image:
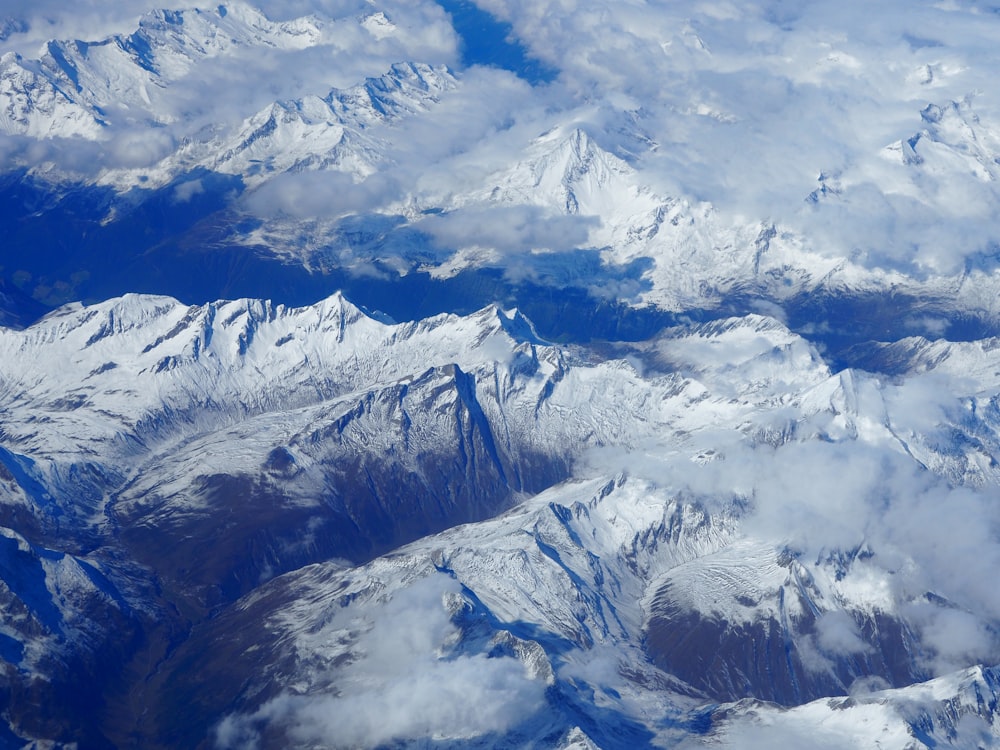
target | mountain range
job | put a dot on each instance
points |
(357, 393)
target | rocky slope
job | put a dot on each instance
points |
(216, 468)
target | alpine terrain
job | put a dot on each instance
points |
(499, 374)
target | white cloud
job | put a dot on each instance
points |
(87, 20)
(751, 103)
(918, 537)
(184, 192)
(956, 639)
(405, 683)
(837, 633)
(510, 229)
(306, 195)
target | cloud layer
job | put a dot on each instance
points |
(877, 483)
(403, 684)
(752, 103)
(875, 132)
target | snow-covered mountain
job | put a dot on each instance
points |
(352, 179)
(657, 407)
(76, 88)
(333, 132)
(328, 133)
(615, 541)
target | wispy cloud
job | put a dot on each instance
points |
(751, 104)
(404, 683)
(872, 131)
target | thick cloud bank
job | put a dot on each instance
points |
(872, 127)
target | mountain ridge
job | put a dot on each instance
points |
(498, 440)
(678, 426)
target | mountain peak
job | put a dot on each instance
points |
(566, 170)
(331, 133)
(72, 87)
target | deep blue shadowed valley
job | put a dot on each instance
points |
(487, 373)
(488, 41)
(60, 246)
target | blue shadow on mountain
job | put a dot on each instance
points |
(21, 469)
(488, 41)
(25, 578)
(848, 329)
(86, 243)
(11, 651)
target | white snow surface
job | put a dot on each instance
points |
(701, 152)
(682, 196)
(946, 712)
(722, 463)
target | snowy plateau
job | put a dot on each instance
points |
(499, 374)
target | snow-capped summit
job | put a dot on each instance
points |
(76, 88)
(333, 132)
(566, 171)
(680, 427)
